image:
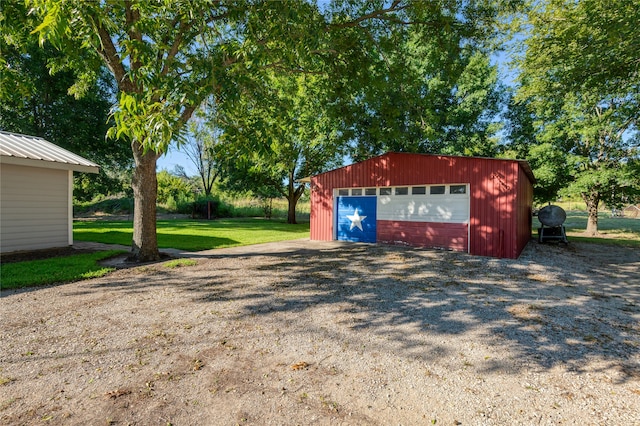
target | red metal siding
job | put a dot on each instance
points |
(500, 194)
(422, 234)
(492, 208)
(524, 205)
(322, 208)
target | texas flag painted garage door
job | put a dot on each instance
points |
(356, 219)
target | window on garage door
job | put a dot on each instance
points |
(437, 190)
(458, 189)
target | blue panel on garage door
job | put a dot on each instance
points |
(356, 219)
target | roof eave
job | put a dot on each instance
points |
(527, 170)
(6, 159)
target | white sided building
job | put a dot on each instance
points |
(36, 192)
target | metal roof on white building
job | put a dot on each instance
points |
(37, 152)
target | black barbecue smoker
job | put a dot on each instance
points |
(551, 218)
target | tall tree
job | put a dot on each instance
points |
(165, 56)
(200, 145)
(286, 134)
(580, 75)
(432, 92)
(549, 162)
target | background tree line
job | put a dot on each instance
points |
(261, 95)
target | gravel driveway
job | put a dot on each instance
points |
(330, 333)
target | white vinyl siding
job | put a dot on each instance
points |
(34, 208)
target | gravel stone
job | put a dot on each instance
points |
(307, 332)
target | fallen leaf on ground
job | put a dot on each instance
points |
(300, 365)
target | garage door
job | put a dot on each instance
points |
(425, 216)
(356, 219)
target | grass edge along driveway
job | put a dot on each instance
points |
(76, 267)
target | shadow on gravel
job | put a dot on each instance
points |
(546, 313)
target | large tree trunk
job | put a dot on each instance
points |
(293, 195)
(592, 201)
(291, 214)
(145, 193)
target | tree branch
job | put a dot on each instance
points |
(167, 37)
(183, 28)
(376, 14)
(624, 126)
(186, 115)
(107, 50)
(175, 47)
(132, 16)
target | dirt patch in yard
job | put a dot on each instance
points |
(331, 333)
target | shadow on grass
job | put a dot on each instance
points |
(429, 304)
(256, 224)
(576, 222)
(165, 240)
(193, 235)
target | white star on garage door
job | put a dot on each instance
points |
(356, 220)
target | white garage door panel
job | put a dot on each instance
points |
(424, 208)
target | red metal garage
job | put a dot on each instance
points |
(478, 205)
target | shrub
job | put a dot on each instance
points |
(211, 207)
(111, 205)
(170, 186)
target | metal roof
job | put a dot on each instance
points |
(523, 163)
(37, 152)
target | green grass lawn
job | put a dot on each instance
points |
(194, 235)
(613, 230)
(55, 270)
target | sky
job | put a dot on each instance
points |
(174, 157)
